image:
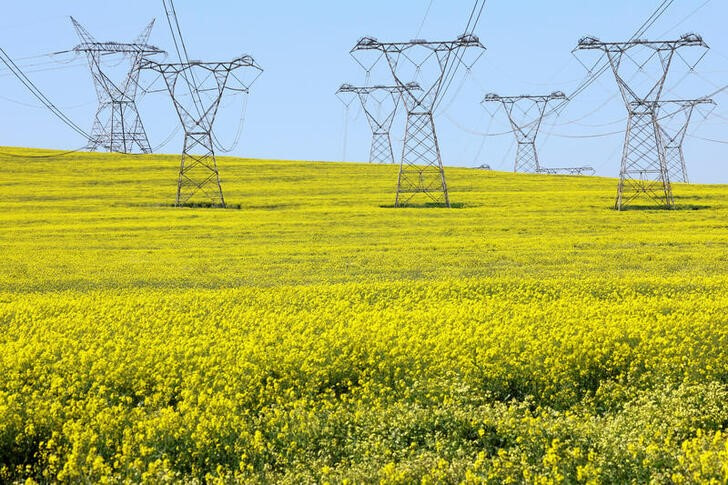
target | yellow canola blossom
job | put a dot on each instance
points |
(316, 335)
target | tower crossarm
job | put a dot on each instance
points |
(371, 43)
(527, 128)
(179, 67)
(89, 45)
(686, 40)
(557, 95)
(664, 49)
(380, 119)
(117, 48)
(366, 90)
(685, 103)
(221, 71)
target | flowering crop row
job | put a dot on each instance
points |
(314, 336)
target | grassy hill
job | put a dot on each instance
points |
(317, 334)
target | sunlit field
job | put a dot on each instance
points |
(313, 333)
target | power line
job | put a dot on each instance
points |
(49, 61)
(56, 155)
(592, 76)
(18, 73)
(182, 54)
(473, 19)
(598, 135)
(173, 32)
(656, 14)
(718, 91)
(477, 19)
(8, 73)
(179, 30)
(712, 140)
(424, 19)
(238, 134)
(36, 106)
(454, 65)
(691, 14)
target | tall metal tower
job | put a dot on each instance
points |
(431, 65)
(644, 168)
(117, 126)
(673, 127)
(380, 104)
(526, 114)
(196, 89)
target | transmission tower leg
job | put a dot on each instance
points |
(381, 149)
(526, 158)
(421, 170)
(644, 169)
(198, 172)
(676, 167)
(113, 130)
(99, 130)
(683, 166)
(118, 136)
(128, 132)
(136, 135)
(118, 128)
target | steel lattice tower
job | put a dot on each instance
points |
(525, 124)
(673, 132)
(380, 119)
(567, 171)
(196, 89)
(430, 65)
(644, 168)
(117, 126)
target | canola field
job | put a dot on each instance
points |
(317, 335)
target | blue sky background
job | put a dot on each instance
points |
(292, 111)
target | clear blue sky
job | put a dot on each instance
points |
(303, 46)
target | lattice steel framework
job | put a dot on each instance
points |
(117, 126)
(431, 65)
(525, 113)
(380, 117)
(567, 171)
(644, 170)
(203, 85)
(674, 127)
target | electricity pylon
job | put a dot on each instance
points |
(117, 126)
(526, 114)
(567, 171)
(432, 66)
(196, 89)
(674, 127)
(644, 168)
(380, 105)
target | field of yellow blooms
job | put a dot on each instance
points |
(315, 334)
